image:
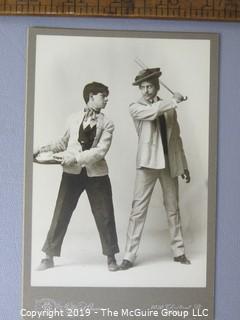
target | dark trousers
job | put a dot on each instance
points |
(99, 193)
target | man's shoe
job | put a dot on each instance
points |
(112, 264)
(182, 259)
(126, 264)
(45, 264)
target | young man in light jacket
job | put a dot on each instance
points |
(160, 156)
(81, 152)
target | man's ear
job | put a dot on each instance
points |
(90, 95)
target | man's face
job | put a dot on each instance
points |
(148, 90)
(98, 101)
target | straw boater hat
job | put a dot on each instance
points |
(147, 74)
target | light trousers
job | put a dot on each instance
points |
(144, 184)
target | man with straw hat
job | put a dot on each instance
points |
(160, 156)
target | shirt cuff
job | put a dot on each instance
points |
(174, 102)
(78, 157)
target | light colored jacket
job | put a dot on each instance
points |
(94, 158)
(150, 150)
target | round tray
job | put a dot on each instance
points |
(46, 161)
(46, 158)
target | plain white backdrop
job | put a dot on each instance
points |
(64, 64)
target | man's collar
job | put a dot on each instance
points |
(89, 107)
(143, 101)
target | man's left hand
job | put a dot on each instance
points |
(67, 158)
(186, 175)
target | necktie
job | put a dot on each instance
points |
(90, 117)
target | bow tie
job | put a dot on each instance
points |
(90, 117)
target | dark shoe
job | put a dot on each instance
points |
(112, 264)
(126, 264)
(182, 259)
(45, 264)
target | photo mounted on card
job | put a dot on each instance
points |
(120, 174)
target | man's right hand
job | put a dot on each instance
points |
(178, 97)
(36, 152)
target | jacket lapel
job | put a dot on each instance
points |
(98, 129)
(169, 117)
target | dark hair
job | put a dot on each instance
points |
(94, 88)
(153, 81)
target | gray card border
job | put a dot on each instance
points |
(118, 298)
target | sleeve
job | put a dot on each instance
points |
(97, 153)
(145, 112)
(60, 144)
(180, 143)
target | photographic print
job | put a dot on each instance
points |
(120, 172)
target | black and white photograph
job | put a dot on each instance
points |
(119, 158)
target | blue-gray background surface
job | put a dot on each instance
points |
(13, 36)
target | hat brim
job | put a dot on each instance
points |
(156, 74)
